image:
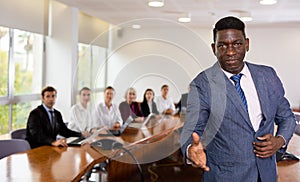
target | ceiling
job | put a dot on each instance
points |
(204, 13)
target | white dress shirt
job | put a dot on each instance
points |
(150, 106)
(164, 104)
(81, 118)
(107, 116)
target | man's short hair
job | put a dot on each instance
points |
(163, 86)
(48, 89)
(109, 88)
(229, 22)
(84, 88)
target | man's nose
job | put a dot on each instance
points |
(230, 50)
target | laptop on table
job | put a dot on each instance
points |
(118, 132)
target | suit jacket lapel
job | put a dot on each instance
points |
(235, 99)
(231, 93)
(47, 119)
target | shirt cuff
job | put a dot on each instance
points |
(187, 155)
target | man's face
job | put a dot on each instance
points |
(49, 99)
(164, 91)
(230, 49)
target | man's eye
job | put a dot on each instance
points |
(222, 46)
(238, 44)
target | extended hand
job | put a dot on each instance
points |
(139, 119)
(197, 154)
(268, 145)
(168, 111)
(116, 125)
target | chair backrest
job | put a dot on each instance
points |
(297, 116)
(18, 134)
(8, 147)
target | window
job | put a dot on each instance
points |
(92, 69)
(21, 112)
(21, 66)
(4, 121)
(27, 55)
(84, 66)
(4, 54)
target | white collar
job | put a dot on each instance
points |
(245, 71)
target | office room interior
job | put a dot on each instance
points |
(75, 48)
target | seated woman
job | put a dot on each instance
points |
(148, 105)
(130, 107)
(107, 114)
(81, 113)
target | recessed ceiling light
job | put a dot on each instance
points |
(185, 18)
(267, 2)
(156, 3)
(246, 18)
(136, 26)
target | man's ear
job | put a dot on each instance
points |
(213, 48)
(247, 44)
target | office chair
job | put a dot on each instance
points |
(12, 146)
(297, 116)
(18, 134)
(287, 155)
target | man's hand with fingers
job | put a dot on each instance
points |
(196, 153)
(268, 145)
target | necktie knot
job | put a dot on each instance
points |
(236, 78)
(52, 114)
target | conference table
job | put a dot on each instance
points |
(49, 163)
(71, 163)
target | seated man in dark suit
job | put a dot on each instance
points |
(45, 122)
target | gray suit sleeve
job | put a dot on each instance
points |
(284, 117)
(197, 113)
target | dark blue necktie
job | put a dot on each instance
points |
(236, 79)
(52, 118)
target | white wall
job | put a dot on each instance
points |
(161, 52)
(278, 47)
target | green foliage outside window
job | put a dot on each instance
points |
(4, 119)
(23, 83)
(4, 73)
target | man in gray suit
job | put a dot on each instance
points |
(231, 112)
